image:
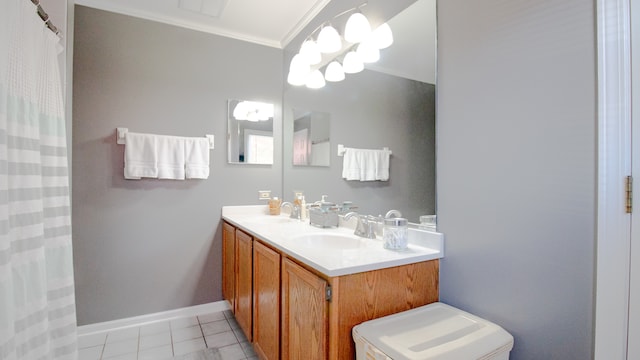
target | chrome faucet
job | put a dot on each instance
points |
(294, 210)
(366, 226)
(394, 213)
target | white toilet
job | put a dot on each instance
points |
(432, 332)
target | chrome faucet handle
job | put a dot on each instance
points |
(394, 213)
(349, 215)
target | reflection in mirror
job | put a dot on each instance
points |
(250, 132)
(311, 145)
(389, 104)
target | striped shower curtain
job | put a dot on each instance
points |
(37, 300)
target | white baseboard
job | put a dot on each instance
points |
(153, 318)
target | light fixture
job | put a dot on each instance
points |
(368, 52)
(352, 63)
(329, 40)
(357, 28)
(363, 45)
(382, 36)
(315, 80)
(310, 51)
(334, 72)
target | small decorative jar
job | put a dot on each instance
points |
(274, 206)
(395, 233)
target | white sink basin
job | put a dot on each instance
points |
(330, 241)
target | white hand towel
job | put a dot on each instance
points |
(350, 165)
(366, 165)
(382, 165)
(140, 156)
(197, 158)
(171, 158)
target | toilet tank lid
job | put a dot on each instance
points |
(435, 331)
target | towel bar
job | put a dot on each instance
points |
(342, 149)
(120, 137)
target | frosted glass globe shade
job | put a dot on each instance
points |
(382, 36)
(297, 79)
(368, 52)
(352, 63)
(334, 72)
(357, 28)
(311, 52)
(329, 40)
(315, 80)
(299, 65)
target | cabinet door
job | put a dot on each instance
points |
(244, 271)
(228, 264)
(266, 301)
(304, 314)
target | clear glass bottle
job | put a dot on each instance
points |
(395, 233)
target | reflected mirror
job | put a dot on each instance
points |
(250, 132)
(311, 145)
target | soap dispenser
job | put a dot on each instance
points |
(303, 209)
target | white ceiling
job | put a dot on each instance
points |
(273, 23)
(276, 23)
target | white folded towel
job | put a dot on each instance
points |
(366, 165)
(140, 156)
(171, 157)
(197, 158)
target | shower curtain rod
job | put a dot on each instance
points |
(45, 17)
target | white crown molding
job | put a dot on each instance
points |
(147, 15)
(306, 19)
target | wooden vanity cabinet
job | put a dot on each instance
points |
(229, 264)
(318, 312)
(305, 313)
(244, 282)
(373, 294)
(289, 310)
(266, 301)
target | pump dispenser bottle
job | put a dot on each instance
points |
(303, 209)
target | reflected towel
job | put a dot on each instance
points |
(170, 157)
(197, 158)
(140, 156)
(366, 165)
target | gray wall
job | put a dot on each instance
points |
(517, 168)
(153, 245)
(370, 110)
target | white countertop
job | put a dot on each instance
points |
(283, 233)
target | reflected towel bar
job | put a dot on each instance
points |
(342, 149)
(121, 132)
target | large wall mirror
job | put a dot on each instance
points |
(389, 104)
(250, 132)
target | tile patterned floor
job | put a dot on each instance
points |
(164, 340)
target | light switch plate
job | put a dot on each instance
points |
(264, 194)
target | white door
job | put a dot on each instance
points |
(633, 341)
